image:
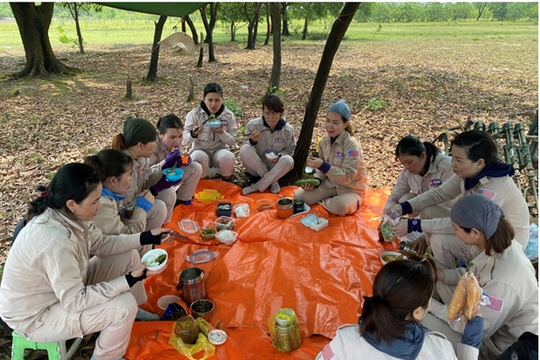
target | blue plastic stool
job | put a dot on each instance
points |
(55, 350)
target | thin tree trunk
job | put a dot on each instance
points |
(339, 28)
(233, 32)
(252, 24)
(201, 53)
(154, 58)
(209, 37)
(304, 32)
(276, 42)
(34, 22)
(268, 24)
(285, 19)
(184, 25)
(74, 10)
(193, 30)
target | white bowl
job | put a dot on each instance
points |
(223, 238)
(271, 155)
(155, 253)
(391, 253)
(165, 300)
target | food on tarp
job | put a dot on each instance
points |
(155, 260)
(390, 257)
(474, 294)
(459, 299)
(224, 207)
(208, 233)
(312, 182)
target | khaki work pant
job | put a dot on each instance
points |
(223, 159)
(113, 318)
(268, 171)
(343, 204)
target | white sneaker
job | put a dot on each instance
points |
(249, 189)
(275, 188)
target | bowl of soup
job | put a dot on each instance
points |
(388, 256)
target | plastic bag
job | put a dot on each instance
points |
(465, 301)
(188, 350)
(284, 330)
(531, 251)
(389, 220)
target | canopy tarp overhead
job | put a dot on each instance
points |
(179, 9)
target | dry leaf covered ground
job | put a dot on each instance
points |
(428, 85)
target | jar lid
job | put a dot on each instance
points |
(217, 337)
(201, 256)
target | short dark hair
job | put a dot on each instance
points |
(73, 181)
(478, 144)
(109, 162)
(274, 103)
(213, 88)
(170, 121)
(399, 288)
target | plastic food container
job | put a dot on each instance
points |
(173, 174)
(188, 226)
(208, 195)
(208, 233)
(201, 256)
(241, 210)
(165, 300)
(227, 236)
(217, 337)
(264, 204)
(224, 209)
(152, 257)
(224, 223)
(271, 155)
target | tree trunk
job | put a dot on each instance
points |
(276, 42)
(481, 9)
(34, 22)
(233, 33)
(304, 32)
(193, 30)
(209, 37)
(201, 53)
(152, 71)
(252, 24)
(268, 24)
(249, 45)
(184, 26)
(74, 9)
(339, 28)
(285, 18)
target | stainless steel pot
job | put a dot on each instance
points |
(191, 283)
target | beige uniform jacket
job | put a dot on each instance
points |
(208, 140)
(349, 345)
(109, 219)
(281, 141)
(439, 171)
(501, 190)
(509, 284)
(142, 176)
(348, 171)
(48, 264)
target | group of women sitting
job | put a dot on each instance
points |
(75, 267)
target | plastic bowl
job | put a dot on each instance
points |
(264, 204)
(388, 256)
(214, 124)
(155, 253)
(226, 236)
(165, 300)
(271, 155)
(177, 175)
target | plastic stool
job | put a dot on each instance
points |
(55, 350)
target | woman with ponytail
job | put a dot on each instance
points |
(424, 168)
(64, 279)
(211, 147)
(389, 327)
(506, 276)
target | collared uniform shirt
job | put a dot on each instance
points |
(281, 140)
(208, 140)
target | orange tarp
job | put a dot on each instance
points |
(274, 264)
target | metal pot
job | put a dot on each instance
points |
(191, 282)
(285, 207)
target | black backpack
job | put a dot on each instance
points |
(526, 348)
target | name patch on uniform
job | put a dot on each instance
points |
(493, 303)
(338, 155)
(435, 182)
(352, 153)
(490, 194)
(224, 122)
(279, 140)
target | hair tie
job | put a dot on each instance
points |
(377, 299)
(44, 193)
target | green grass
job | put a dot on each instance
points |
(142, 31)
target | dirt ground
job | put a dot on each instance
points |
(427, 86)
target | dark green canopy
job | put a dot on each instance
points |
(179, 9)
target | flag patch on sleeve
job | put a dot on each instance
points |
(327, 353)
(490, 194)
(352, 153)
(492, 302)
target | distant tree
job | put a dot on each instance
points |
(380, 12)
(308, 12)
(480, 7)
(252, 12)
(436, 11)
(339, 28)
(75, 9)
(462, 11)
(285, 18)
(499, 10)
(34, 22)
(276, 42)
(192, 29)
(209, 25)
(268, 23)
(154, 56)
(232, 13)
(531, 13)
(518, 10)
(362, 14)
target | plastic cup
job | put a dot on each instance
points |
(173, 312)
